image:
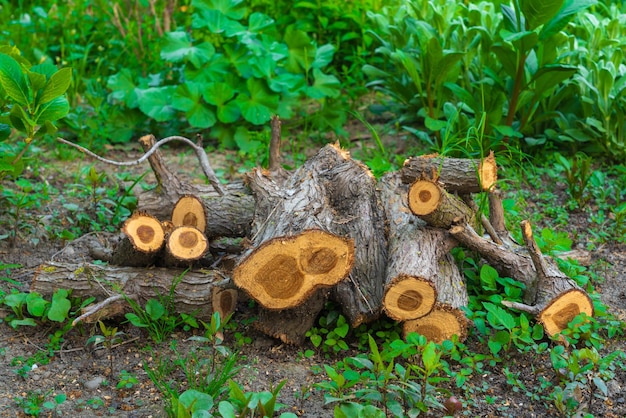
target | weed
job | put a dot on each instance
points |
(331, 333)
(126, 380)
(34, 403)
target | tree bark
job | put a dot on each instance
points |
(142, 241)
(431, 202)
(459, 175)
(194, 294)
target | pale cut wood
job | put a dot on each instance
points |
(143, 237)
(432, 203)
(186, 243)
(189, 211)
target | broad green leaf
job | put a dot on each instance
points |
(156, 102)
(325, 85)
(135, 320)
(488, 278)
(498, 316)
(259, 21)
(187, 98)
(435, 125)
(301, 51)
(155, 309)
(52, 110)
(60, 307)
(37, 80)
(510, 19)
(506, 130)
(56, 86)
(430, 357)
(463, 95)
(194, 400)
(123, 87)
(234, 9)
(177, 47)
(342, 330)
(494, 346)
(23, 322)
(5, 131)
(13, 80)
(217, 23)
(36, 304)
(538, 12)
(245, 144)
(323, 56)
(217, 93)
(258, 104)
(550, 76)
(564, 15)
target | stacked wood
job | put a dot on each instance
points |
(330, 230)
(424, 287)
(144, 237)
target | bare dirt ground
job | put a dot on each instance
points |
(84, 374)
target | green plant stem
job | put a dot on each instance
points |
(517, 89)
(21, 154)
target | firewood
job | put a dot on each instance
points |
(446, 319)
(413, 253)
(194, 294)
(431, 202)
(185, 244)
(460, 175)
(143, 239)
(189, 211)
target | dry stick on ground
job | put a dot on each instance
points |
(194, 294)
(460, 175)
(143, 239)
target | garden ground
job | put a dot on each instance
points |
(511, 388)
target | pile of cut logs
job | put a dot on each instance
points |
(326, 231)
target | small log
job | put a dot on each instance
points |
(185, 244)
(143, 239)
(413, 251)
(461, 175)
(189, 211)
(194, 294)
(446, 319)
(428, 200)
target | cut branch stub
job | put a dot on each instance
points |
(144, 232)
(186, 243)
(189, 211)
(284, 271)
(409, 297)
(438, 208)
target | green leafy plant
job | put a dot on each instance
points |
(34, 98)
(242, 404)
(126, 380)
(35, 403)
(577, 176)
(25, 195)
(109, 337)
(331, 333)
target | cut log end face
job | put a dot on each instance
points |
(488, 172)
(424, 197)
(409, 298)
(144, 232)
(189, 211)
(284, 271)
(439, 325)
(187, 243)
(556, 316)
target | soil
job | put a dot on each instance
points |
(84, 374)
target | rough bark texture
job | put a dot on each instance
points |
(446, 319)
(414, 251)
(192, 295)
(459, 175)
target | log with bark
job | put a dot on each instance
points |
(323, 218)
(143, 239)
(460, 175)
(198, 293)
